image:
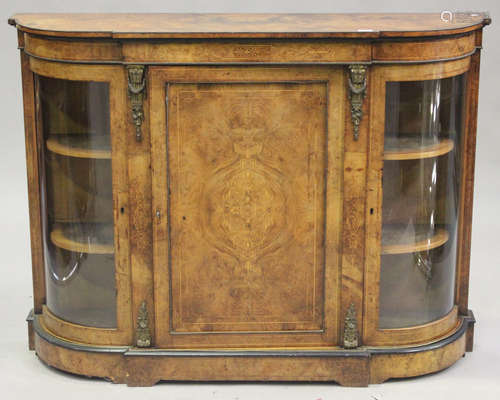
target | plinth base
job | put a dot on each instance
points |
(145, 367)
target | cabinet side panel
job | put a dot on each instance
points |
(467, 186)
(32, 166)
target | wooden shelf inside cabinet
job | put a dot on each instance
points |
(409, 149)
(395, 239)
(80, 146)
(93, 238)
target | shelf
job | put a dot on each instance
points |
(80, 146)
(396, 239)
(412, 149)
(84, 237)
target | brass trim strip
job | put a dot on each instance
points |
(48, 337)
(466, 321)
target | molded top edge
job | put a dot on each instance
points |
(172, 25)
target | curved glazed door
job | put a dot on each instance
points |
(414, 239)
(82, 185)
(247, 198)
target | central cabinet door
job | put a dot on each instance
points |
(247, 205)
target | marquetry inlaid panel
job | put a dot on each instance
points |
(246, 180)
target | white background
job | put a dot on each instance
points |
(23, 376)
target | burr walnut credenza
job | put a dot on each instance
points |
(250, 196)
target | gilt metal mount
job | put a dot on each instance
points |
(137, 93)
(351, 335)
(143, 334)
(357, 92)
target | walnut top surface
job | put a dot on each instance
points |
(187, 26)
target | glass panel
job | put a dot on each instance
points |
(423, 131)
(78, 220)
